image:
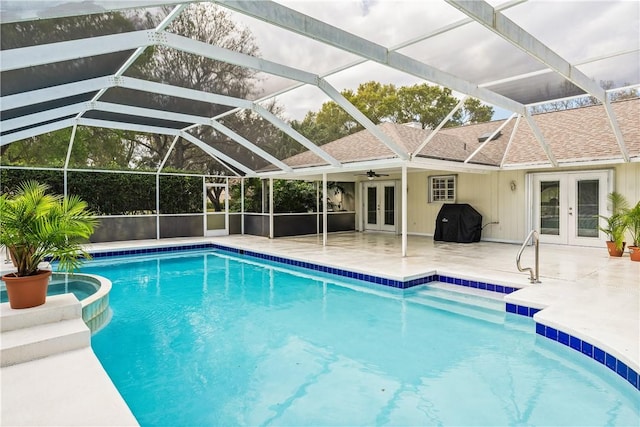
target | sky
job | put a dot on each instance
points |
(582, 32)
(577, 30)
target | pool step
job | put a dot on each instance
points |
(33, 333)
(465, 304)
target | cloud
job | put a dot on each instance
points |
(577, 30)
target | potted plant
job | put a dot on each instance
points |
(632, 217)
(616, 224)
(34, 227)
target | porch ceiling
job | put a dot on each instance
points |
(527, 49)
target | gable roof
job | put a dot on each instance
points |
(581, 134)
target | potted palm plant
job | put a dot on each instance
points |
(34, 227)
(632, 217)
(616, 224)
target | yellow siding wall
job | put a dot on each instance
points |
(628, 181)
(492, 196)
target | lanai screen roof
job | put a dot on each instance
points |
(511, 55)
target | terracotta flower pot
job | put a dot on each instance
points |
(27, 291)
(613, 251)
(635, 253)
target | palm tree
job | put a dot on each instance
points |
(35, 225)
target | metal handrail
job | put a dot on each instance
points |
(535, 278)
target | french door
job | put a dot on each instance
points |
(567, 206)
(380, 206)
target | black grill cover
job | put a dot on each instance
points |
(458, 223)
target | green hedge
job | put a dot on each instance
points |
(10, 179)
(117, 193)
(181, 194)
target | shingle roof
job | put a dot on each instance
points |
(579, 134)
(573, 135)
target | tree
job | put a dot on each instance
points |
(212, 25)
(567, 90)
(421, 103)
(289, 196)
(475, 112)
(376, 101)
(425, 104)
(29, 33)
(92, 147)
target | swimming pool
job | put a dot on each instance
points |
(206, 338)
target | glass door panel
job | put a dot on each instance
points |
(549, 208)
(389, 205)
(372, 205)
(588, 207)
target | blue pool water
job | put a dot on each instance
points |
(205, 338)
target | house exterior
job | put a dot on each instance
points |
(500, 168)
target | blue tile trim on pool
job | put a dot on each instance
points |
(371, 278)
(577, 344)
(143, 251)
(591, 351)
(317, 267)
(521, 310)
(477, 285)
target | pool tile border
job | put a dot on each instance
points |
(399, 284)
(579, 345)
(570, 341)
(592, 351)
(143, 251)
(521, 310)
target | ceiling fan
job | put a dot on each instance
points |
(370, 174)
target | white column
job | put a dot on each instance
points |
(324, 209)
(403, 190)
(158, 205)
(204, 205)
(66, 161)
(317, 208)
(226, 205)
(271, 208)
(242, 205)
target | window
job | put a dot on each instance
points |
(442, 188)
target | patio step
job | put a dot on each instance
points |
(464, 304)
(56, 309)
(53, 328)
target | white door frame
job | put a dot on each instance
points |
(221, 231)
(380, 208)
(567, 205)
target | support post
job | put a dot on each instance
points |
(242, 205)
(66, 160)
(158, 205)
(317, 208)
(324, 209)
(271, 208)
(403, 190)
